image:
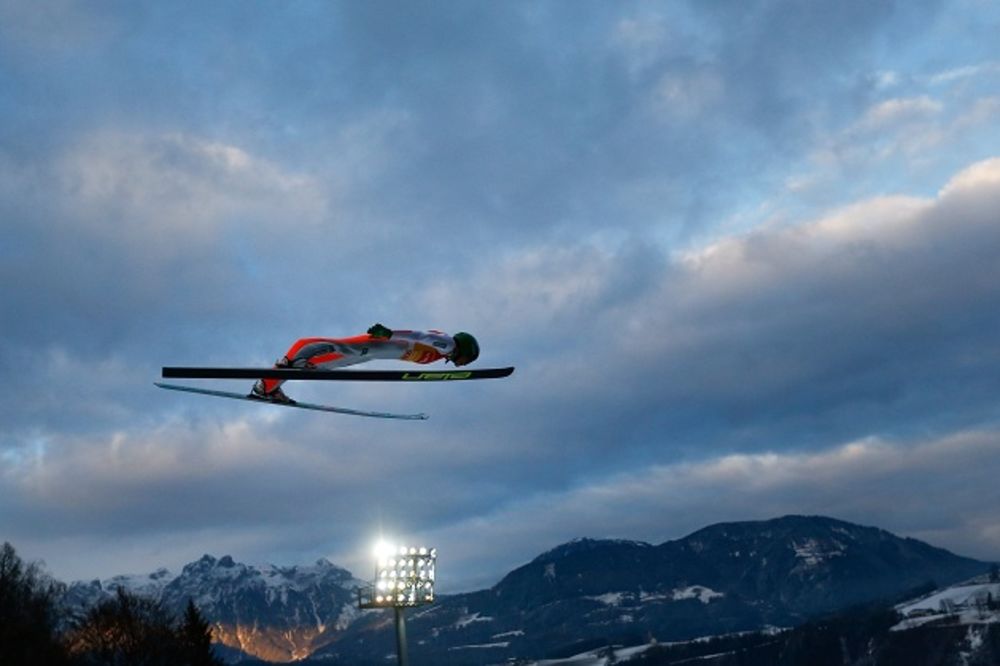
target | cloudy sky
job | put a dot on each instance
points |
(743, 255)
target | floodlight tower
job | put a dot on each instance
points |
(404, 578)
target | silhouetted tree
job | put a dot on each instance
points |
(27, 613)
(195, 636)
(125, 631)
(129, 630)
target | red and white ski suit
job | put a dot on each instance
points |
(327, 353)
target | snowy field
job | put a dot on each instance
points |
(968, 604)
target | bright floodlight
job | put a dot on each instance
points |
(404, 576)
(383, 549)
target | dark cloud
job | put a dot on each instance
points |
(789, 340)
(619, 199)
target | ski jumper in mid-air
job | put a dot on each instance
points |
(379, 343)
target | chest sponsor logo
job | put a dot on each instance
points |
(422, 354)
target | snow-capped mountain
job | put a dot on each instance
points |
(80, 595)
(578, 597)
(275, 613)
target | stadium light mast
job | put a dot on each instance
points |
(404, 578)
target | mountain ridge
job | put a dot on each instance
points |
(723, 578)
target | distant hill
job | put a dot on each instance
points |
(955, 625)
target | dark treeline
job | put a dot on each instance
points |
(124, 631)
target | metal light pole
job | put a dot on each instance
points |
(404, 578)
(401, 656)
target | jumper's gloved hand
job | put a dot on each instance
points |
(380, 331)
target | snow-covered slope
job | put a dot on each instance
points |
(973, 602)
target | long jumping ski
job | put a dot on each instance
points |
(339, 375)
(299, 405)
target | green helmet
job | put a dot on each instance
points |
(466, 348)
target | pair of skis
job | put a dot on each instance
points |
(322, 375)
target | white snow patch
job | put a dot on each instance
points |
(846, 532)
(699, 592)
(506, 634)
(469, 619)
(348, 614)
(611, 598)
(812, 552)
(974, 638)
(550, 571)
(597, 657)
(481, 646)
